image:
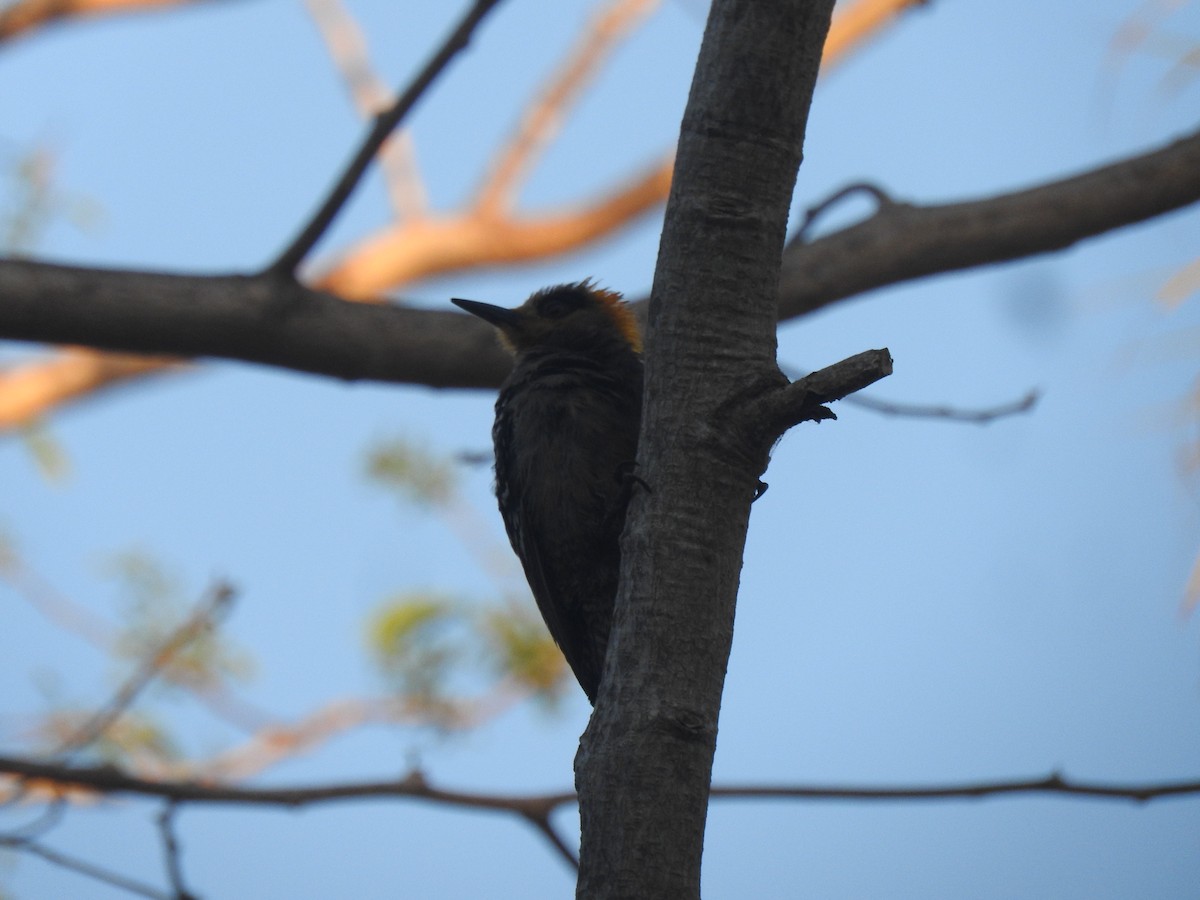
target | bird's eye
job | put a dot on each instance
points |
(555, 307)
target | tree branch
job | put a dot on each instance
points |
(254, 319)
(112, 781)
(203, 617)
(25, 16)
(901, 242)
(348, 49)
(430, 246)
(535, 809)
(385, 123)
(97, 873)
(544, 118)
(478, 237)
(949, 413)
(803, 400)
(171, 852)
(257, 320)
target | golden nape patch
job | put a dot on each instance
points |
(621, 312)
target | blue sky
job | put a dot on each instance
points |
(976, 602)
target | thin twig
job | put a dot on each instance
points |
(77, 619)
(934, 411)
(207, 610)
(543, 824)
(879, 195)
(46, 820)
(91, 870)
(385, 123)
(348, 49)
(949, 413)
(166, 829)
(1054, 783)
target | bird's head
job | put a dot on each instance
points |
(578, 317)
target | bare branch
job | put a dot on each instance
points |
(244, 318)
(543, 824)
(295, 253)
(202, 618)
(935, 411)
(112, 781)
(814, 212)
(75, 864)
(80, 621)
(902, 242)
(950, 413)
(803, 400)
(1054, 783)
(171, 852)
(348, 49)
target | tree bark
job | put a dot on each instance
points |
(645, 762)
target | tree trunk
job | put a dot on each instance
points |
(645, 762)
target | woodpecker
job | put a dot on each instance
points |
(565, 437)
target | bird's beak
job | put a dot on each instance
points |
(502, 318)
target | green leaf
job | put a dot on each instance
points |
(413, 473)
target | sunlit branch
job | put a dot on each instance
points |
(854, 24)
(25, 16)
(543, 119)
(384, 125)
(31, 389)
(459, 242)
(348, 49)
